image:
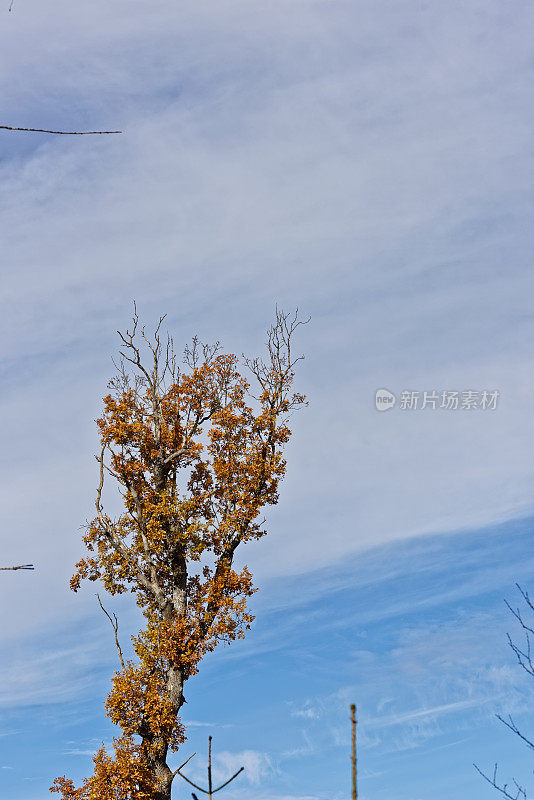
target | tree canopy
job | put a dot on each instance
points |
(196, 450)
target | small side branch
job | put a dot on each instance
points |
(57, 133)
(519, 792)
(115, 625)
(239, 771)
(20, 566)
(177, 770)
(513, 727)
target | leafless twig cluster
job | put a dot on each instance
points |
(525, 660)
(520, 793)
(281, 362)
(523, 656)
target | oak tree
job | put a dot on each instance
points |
(196, 450)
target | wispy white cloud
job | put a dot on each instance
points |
(424, 713)
(305, 749)
(196, 724)
(308, 710)
(437, 679)
(257, 765)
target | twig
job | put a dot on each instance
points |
(59, 133)
(513, 727)
(176, 771)
(21, 566)
(239, 771)
(520, 792)
(115, 626)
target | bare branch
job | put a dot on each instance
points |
(239, 771)
(101, 482)
(58, 133)
(520, 792)
(525, 660)
(115, 626)
(192, 354)
(196, 425)
(176, 771)
(176, 454)
(272, 375)
(524, 657)
(128, 341)
(21, 566)
(513, 727)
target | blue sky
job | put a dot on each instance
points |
(370, 162)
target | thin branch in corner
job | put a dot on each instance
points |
(58, 133)
(21, 566)
(519, 792)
